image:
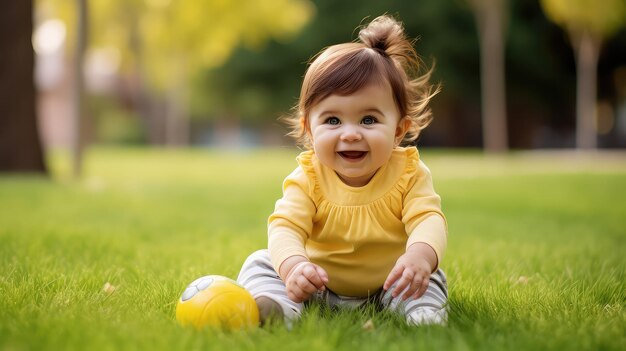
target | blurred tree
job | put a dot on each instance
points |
(165, 42)
(257, 85)
(20, 145)
(587, 23)
(491, 19)
(78, 139)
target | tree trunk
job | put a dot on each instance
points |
(491, 27)
(587, 52)
(77, 142)
(143, 99)
(20, 144)
(176, 119)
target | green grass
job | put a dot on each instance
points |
(535, 257)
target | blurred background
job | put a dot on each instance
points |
(515, 74)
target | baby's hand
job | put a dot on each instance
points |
(412, 270)
(304, 279)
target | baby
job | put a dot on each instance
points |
(359, 221)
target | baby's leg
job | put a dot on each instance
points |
(258, 276)
(430, 308)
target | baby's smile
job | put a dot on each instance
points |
(352, 156)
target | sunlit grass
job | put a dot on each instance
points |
(535, 256)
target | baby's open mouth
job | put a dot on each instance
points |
(352, 155)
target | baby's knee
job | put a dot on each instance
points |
(259, 257)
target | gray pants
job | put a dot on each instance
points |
(259, 277)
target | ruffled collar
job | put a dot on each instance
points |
(396, 173)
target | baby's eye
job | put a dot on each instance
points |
(368, 120)
(332, 121)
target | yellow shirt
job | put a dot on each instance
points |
(356, 233)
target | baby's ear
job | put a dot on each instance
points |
(403, 127)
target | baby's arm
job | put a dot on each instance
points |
(412, 270)
(288, 230)
(302, 278)
(426, 226)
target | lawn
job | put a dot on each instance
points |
(535, 257)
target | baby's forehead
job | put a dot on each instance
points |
(373, 87)
(372, 97)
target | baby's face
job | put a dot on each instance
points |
(355, 134)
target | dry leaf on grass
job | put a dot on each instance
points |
(108, 288)
(369, 325)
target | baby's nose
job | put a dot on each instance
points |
(350, 133)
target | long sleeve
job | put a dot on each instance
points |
(291, 223)
(424, 221)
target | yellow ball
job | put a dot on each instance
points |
(217, 302)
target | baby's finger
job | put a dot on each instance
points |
(297, 296)
(405, 280)
(393, 276)
(413, 288)
(294, 293)
(322, 273)
(323, 276)
(311, 274)
(422, 289)
(305, 285)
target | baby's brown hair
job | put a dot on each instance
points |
(383, 54)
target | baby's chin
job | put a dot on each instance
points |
(355, 179)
